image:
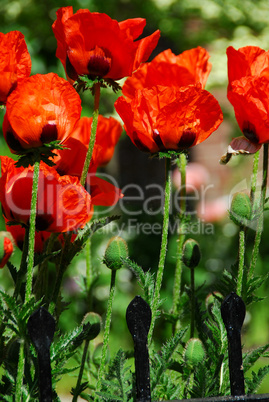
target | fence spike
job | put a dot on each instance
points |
(138, 317)
(233, 312)
(41, 327)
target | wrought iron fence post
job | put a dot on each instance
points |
(138, 317)
(233, 312)
(41, 327)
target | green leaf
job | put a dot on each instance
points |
(145, 279)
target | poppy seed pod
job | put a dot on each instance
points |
(240, 212)
(194, 352)
(6, 248)
(116, 250)
(191, 253)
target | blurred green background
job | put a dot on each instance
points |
(184, 24)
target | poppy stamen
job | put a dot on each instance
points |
(99, 63)
(49, 133)
(249, 132)
(187, 139)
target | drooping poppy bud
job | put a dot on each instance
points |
(115, 251)
(92, 323)
(191, 253)
(240, 212)
(194, 352)
(6, 248)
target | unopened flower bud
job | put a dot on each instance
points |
(191, 253)
(194, 352)
(92, 324)
(6, 247)
(115, 251)
(240, 212)
(210, 299)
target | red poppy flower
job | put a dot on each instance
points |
(247, 61)
(62, 203)
(18, 234)
(95, 45)
(102, 192)
(6, 248)
(167, 69)
(249, 97)
(15, 62)
(169, 118)
(43, 108)
(71, 160)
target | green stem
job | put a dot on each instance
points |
(241, 261)
(156, 297)
(93, 134)
(83, 360)
(255, 251)
(41, 283)
(23, 266)
(31, 247)
(60, 273)
(20, 374)
(182, 163)
(192, 303)
(255, 171)
(89, 272)
(106, 329)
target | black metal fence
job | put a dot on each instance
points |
(41, 327)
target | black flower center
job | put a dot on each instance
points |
(249, 132)
(187, 139)
(49, 133)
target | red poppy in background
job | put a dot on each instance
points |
(249, 97)
(15, 62)
(43, 108)
(71, 160)
(62, 203)
(247, 61)
(18, 234)
(169, 118)
(102, 192)
(167, 69)
(93, 44)
(6, 248)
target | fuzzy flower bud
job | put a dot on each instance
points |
(194, 352)
(191, 253)
(6, 248)
(240, 212)
(92, 324)
(115, 250)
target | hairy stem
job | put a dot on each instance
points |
(83, 360)
(93, 134)
(241, 259)
(156, 297)
(23, 266)
(259, 229)
(192, 303)
(20, 374)
(106, 329)
(31, 243)
(60, 273)
(182, 163)
(255, 170)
